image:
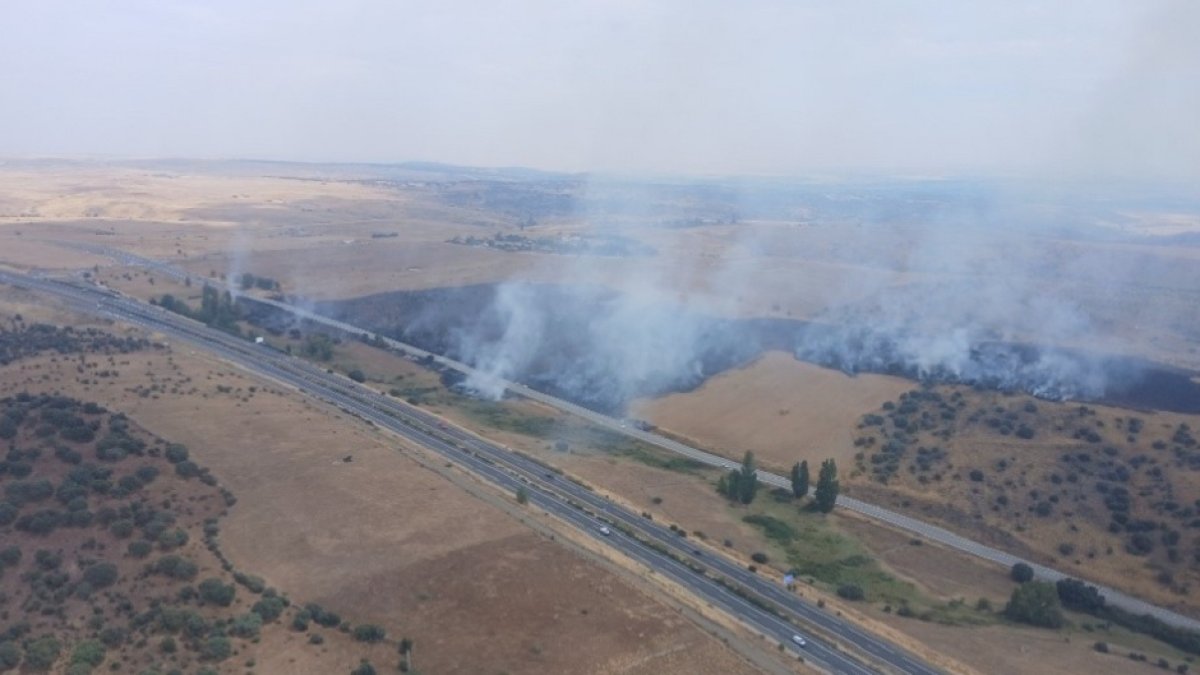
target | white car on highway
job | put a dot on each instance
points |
(604, 530)
(799, 639)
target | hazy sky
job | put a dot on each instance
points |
(1087, 87)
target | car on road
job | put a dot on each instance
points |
(799, 639)
(604, 530)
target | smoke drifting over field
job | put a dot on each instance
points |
(951, 297)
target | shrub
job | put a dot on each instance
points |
(357, 375)
(101, 575)
(177, 567)
(300, 620)
(322, 616)
(176, 453)
(369, 632)
(1035, 603)
(851, 592)
(40, 654)
(269, 608)
(10, 556)
(10, 655)
(8, 513)
(1101, 647)
(187, 469)
(47, 560)
(976, 475)
(364, 668)
(760, 558)
(254, 584)
(1021, 573)
(774, 528)
(217, 593)
(246, 625)
(140, 548)
(121, 528)
(89, 652)
(112, 636)
(1079, 596)
(170, 539)
(216, 648)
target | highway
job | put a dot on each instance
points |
(834, 644)
(913, 525)
(916, 526)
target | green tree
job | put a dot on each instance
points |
(1035, 603)
(40, 654)
(826, 493)
(522, 495)
(246, 626)
(1021, 573)
(217, 593)
(317, 346)
(10, 655)
(90, 652)
(216, 648)
(800, 479)
(269, 608)
(748, 479)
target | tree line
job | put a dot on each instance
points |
(1041, 603)
(217, 309)
(741, 485)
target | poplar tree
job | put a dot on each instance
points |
(827, 487)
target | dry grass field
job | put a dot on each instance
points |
(339, 532)
(1105, 493)
(381, 538)
(782, 409)
(938, 575)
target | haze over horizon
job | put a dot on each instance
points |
(1077, 89)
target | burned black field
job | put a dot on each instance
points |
(602, 349)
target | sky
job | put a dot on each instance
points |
(1068, 88)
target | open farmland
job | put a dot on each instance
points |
(367, 538)
(337, 531)
(782, 409)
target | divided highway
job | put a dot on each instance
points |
(931, 532)
(833, 643)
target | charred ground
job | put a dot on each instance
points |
(602, 349)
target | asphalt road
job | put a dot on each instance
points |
(834, 643)
(931, 532)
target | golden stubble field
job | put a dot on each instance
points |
(383, 539)
(782, 409)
